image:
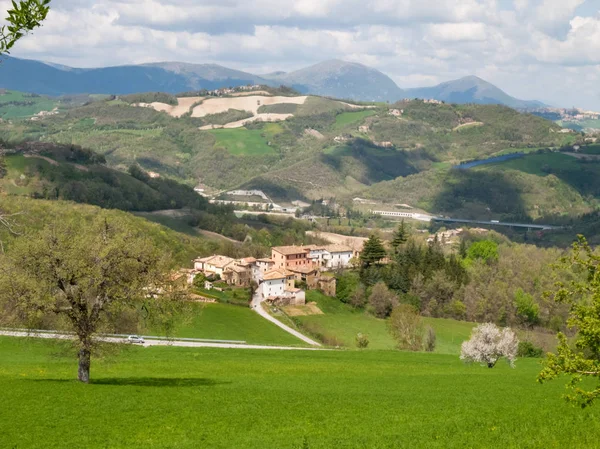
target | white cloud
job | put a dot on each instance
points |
(455, 32)
(524, 46)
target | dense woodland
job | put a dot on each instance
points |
(483, 279)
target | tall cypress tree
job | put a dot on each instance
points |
(400, 236)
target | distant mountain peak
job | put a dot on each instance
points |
(470, 89)
(333, 77)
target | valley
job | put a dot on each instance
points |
(315, 148)
(299, 225)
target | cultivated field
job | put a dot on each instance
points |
(249, 103)
(350, 118)
(183, 106)
(177, 398)
(242, 141)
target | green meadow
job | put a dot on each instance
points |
(227, 322)
(14, 105)
(350, 118)
(168, 397)
(341, 323)
(242, 141)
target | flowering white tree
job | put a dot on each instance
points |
(488, 343)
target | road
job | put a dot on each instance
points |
(256, 305)
(148, 342)
(496, 223)
(425, 217)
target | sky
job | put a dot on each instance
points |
(548, 50)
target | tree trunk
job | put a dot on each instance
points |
(83, 373)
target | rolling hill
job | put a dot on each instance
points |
(470, 89)
(318, 148)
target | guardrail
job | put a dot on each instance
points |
(147, 337)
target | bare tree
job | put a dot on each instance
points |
(406, 326)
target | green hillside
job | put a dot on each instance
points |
(320, 152)
(34, 214)
(230, 322)
(340, 323)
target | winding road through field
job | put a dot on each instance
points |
(256, 305)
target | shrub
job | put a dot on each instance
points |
(430, 339)
(485, 250)
(411, 299)
(358, 299)
(458, 309)
(527, 309)
(362, 341)
(556, 323)
(346, 284)
(406, 327)
(382, 300)
(199, 280)
(528, 349)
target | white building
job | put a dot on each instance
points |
(330, 256)
(213, 264)
(338, 256)
(276, 282)
(260, 267)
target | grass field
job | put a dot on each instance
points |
(533, 164)
(242, 141)
(349, 118)
(591, 149)
(26, 105)
(209, 398)
(227, 322)
(344, 323)
(13, 183)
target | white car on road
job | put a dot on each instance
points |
(136, 339)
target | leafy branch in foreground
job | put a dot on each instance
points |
(583, 295)
(23, 18)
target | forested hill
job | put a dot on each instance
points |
(325, 148)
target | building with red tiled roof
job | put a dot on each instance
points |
(290, 256)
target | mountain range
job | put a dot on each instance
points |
(334, 78)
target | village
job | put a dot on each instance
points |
(280, 279)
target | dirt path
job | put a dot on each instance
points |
(37, 156)
(356, 243)
(466, 125)
(211, 234)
